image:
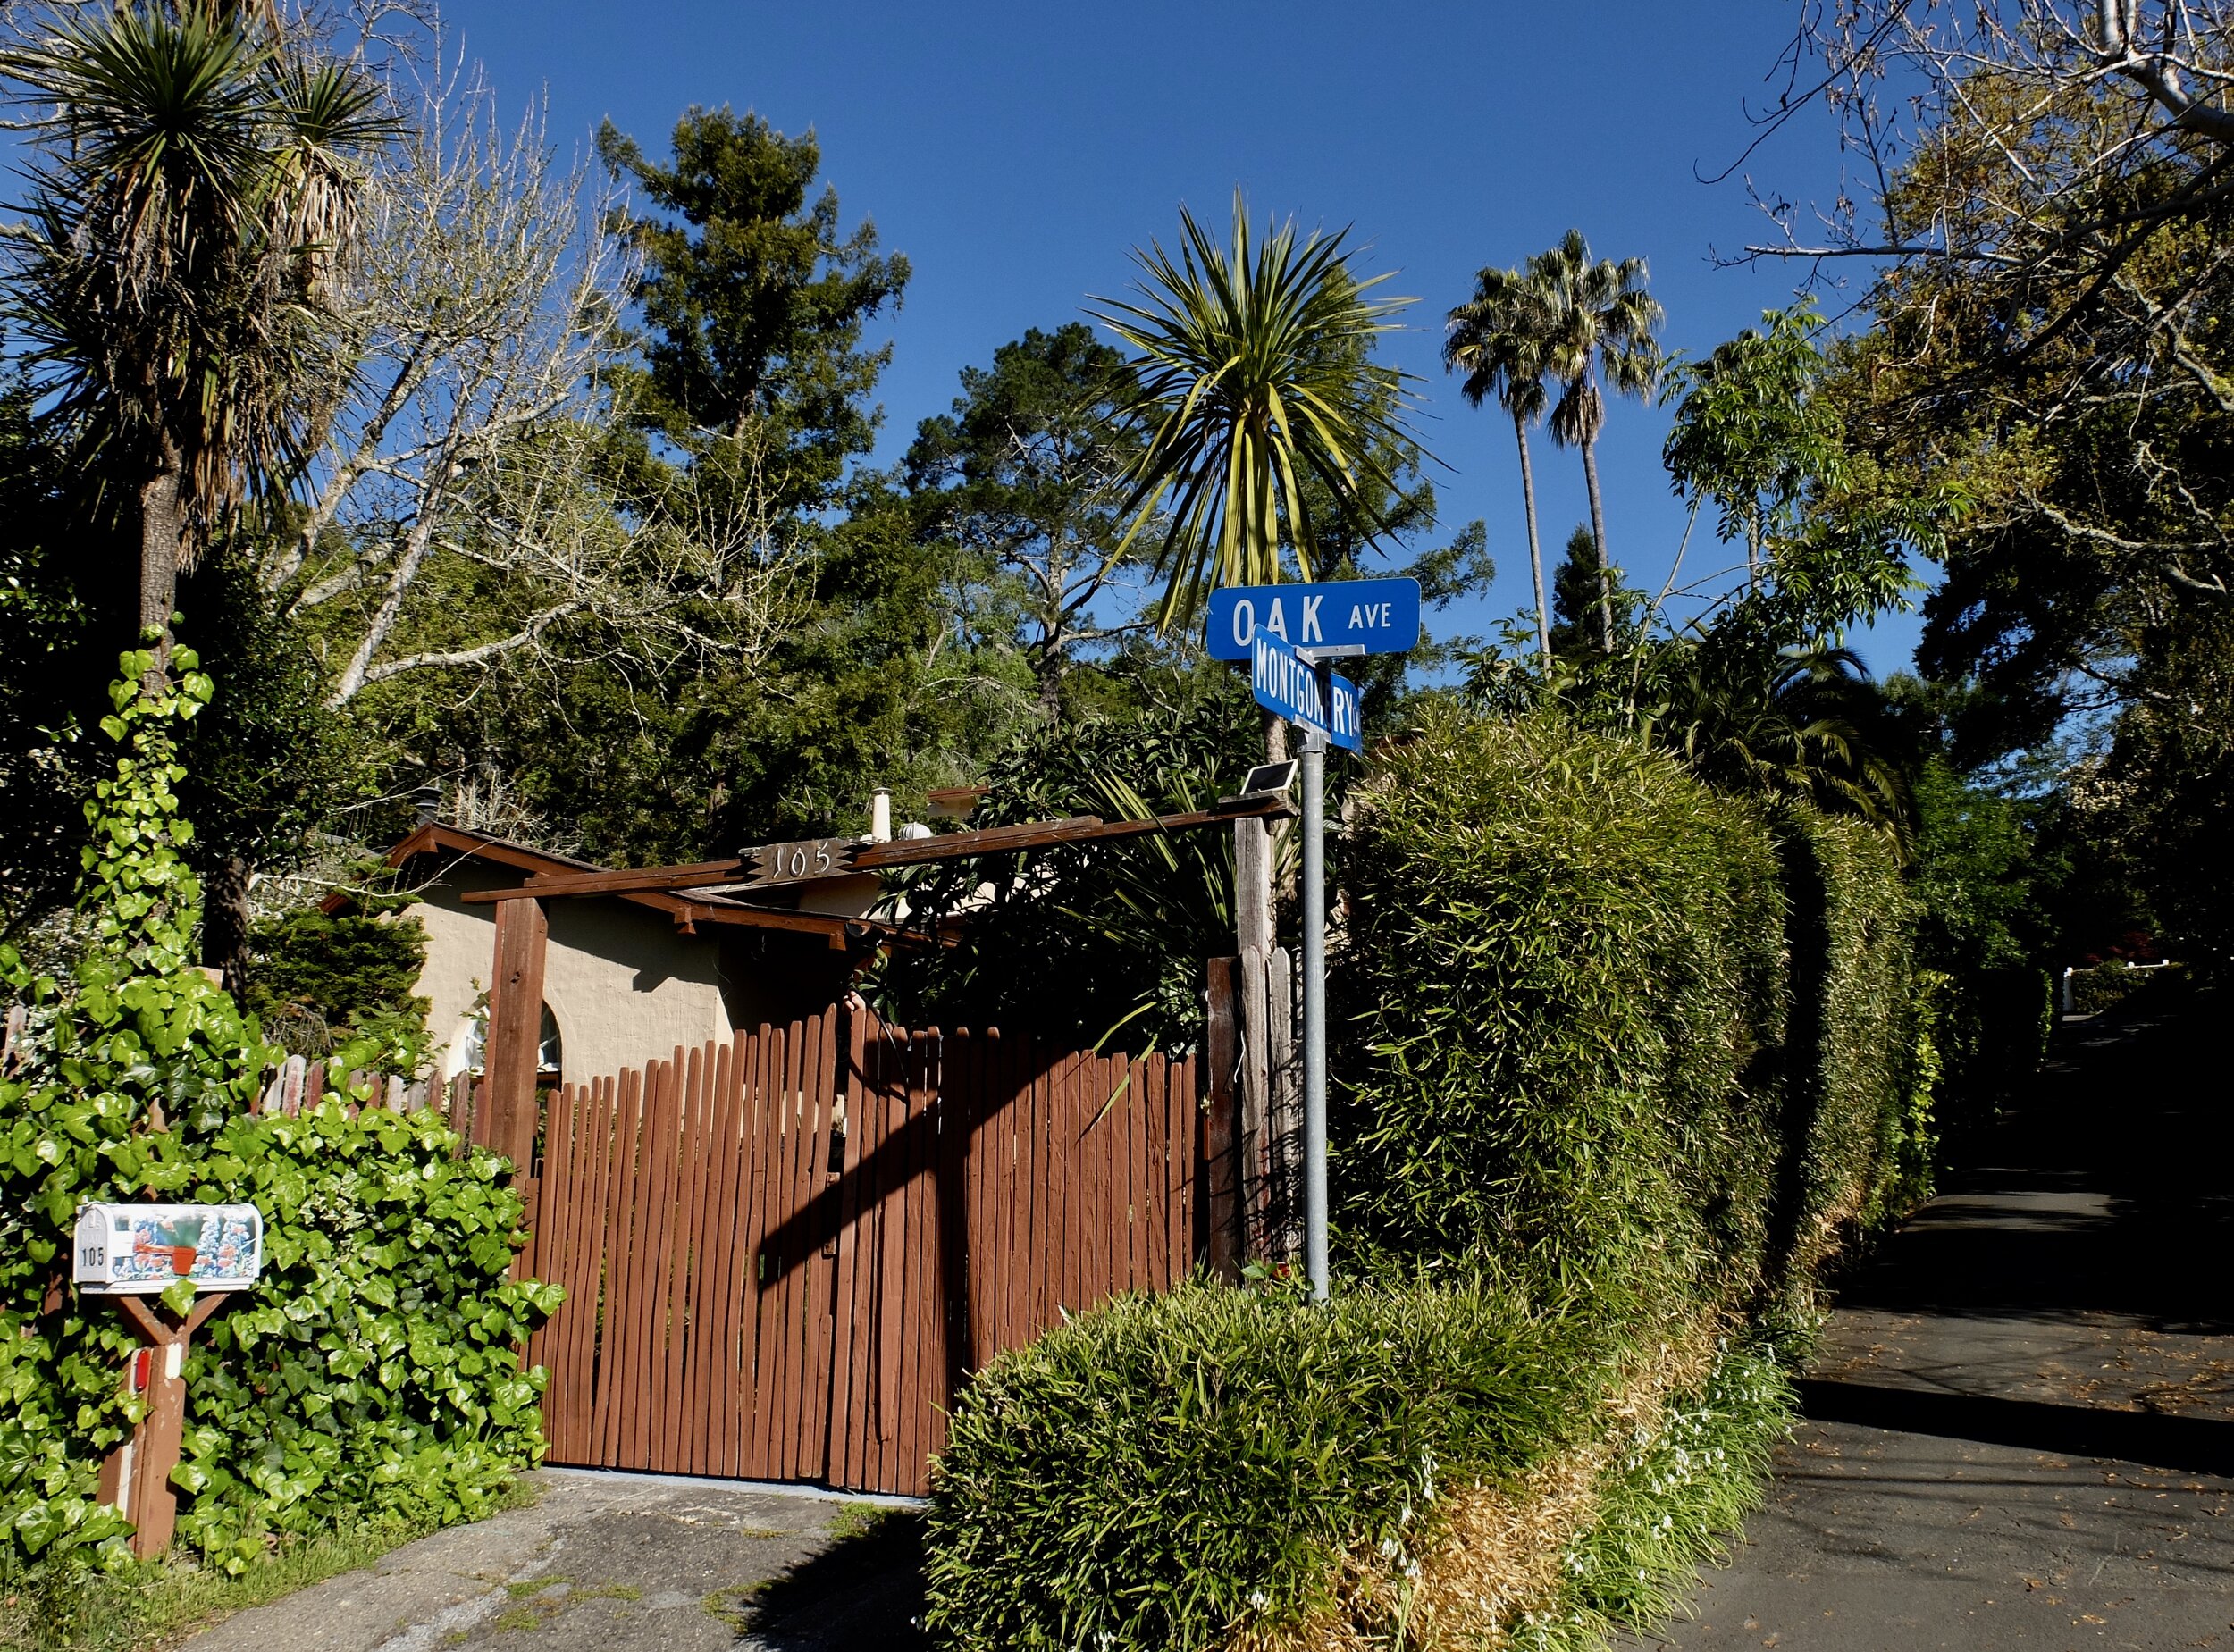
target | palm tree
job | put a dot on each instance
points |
(1804, 722)
(194, 201)
(1497, 339)
(1596, 316)
(1254, 379)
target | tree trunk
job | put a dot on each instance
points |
(162, 526)
(225, 924)
(1050, 672)
(1597, 533)
(1535, 549)
(1275, 738)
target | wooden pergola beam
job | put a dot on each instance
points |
(645, 880)
(874, 857)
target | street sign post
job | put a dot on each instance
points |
(1363, 615)
(1289, 636)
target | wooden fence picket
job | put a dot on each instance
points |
(782, 1254)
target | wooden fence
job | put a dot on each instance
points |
(298, 1083)
(783, 1254)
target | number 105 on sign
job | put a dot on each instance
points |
(819, 857)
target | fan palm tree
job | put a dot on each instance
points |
(195, 198)
(1596, 317)
(1804, 722)
(1252, 381)
(1497, 339)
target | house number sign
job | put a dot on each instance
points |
(817, 856)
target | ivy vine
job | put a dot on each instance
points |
(375, 1366)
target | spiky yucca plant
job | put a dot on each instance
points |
(1254, 378)
(194, 170)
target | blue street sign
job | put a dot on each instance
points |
(1287, 685)
(1380, 616)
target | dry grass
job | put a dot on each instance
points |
(1498, 1551)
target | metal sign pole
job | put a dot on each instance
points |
(1299, 685)
(1314, 1012)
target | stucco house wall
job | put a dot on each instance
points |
(623, 983)
(625, 980)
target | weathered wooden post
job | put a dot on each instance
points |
(1252, 943)
(1221, 1200)
(506, 1121)
(132, 1251)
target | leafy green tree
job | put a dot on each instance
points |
(48, 655)
(194, 201)
(1255, 372)
(1805, 722)
(1757, 692)
(2050, 266)
(1592, 316)
(1753, 434)
(1021, 474)
(749, 402)
(345, 981)
(1499, 340)
(267, 763)
(755, 303)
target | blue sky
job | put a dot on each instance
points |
(1016, 151)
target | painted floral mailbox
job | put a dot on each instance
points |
(129, 1250)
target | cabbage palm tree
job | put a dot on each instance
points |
(194, 197)
(1596, 316)
(1254, 387)
(1497, 339)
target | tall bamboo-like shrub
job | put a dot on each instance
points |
(1854, 1135)
(1563, 1005)
(1622, 1060)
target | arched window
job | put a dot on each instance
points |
(469, 1050)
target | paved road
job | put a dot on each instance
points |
(2020, 1423)
(619, 1563)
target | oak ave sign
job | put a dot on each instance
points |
(1376, 616)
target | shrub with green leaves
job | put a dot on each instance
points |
(1164, 1468)
(372, 1368)
(341, 984)
(1854, 1141)
(1641, 1054)
(1562, 1006)
(1665, 1502)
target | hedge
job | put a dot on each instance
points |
(1562, 1007)
(1166, 1466)
(1622, 1063)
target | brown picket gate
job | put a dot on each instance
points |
(782, 1254)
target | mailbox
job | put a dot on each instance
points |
(140, 1249)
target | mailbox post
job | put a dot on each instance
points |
(134, 1251)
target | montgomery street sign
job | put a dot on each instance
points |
(1380, 615)
(1287, 684)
